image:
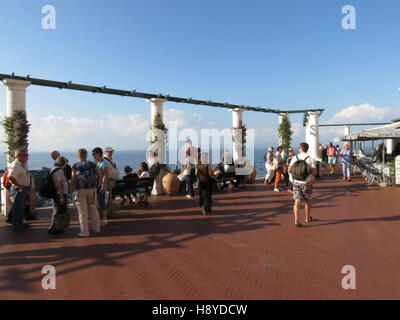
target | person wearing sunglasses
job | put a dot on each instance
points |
(20, 183)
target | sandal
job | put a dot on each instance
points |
(297, 224)
(310, 219)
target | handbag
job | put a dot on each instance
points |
(182, 176)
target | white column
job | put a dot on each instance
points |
(156, 135)
(347, 130)
(282, 116)
(16, 101)
(312, 135)
(237, 123)
(389, 146)
(16, 93)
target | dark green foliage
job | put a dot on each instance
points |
(16, 130)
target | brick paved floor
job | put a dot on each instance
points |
(247, 249)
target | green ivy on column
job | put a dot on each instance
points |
(285, 133)
(16, 129)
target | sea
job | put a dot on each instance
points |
(40, 160)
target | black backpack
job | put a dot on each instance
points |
(87, 176)
(68, 172)
(300, 170)
(48, 188)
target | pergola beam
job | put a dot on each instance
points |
(355, 124)
(125, 93)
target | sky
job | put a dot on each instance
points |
(283, 54)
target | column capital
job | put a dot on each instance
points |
(156, 100)
(14, 84)
(314, 113)
(237, 110)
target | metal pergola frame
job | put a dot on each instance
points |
(354, 124)
(133, 93)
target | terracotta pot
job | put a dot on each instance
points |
(171, 184)
(251, 178)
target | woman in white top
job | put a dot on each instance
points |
(269, 165)
(143, 171)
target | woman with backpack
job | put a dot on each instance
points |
(85, 176)
(60, 217)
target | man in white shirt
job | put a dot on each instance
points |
(113, 176)
(19, 177)
(193, 152)
(303, 182)
(189, 166)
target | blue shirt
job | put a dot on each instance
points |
(102, 165)
(346, 156)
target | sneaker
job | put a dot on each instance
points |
(188, 196)
(83, 235)
(103, 223)
(297, 224)
(277, 190)
(310, 219)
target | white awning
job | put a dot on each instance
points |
(389, 131)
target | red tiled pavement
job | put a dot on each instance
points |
(247, 249)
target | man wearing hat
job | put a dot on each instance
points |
(113, 176)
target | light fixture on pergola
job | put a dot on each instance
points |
(133, 93)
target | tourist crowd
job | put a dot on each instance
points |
(92, 182)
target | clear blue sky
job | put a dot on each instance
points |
(285, 54)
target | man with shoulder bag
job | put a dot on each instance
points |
(113, 176)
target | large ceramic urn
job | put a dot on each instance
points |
(171, 184)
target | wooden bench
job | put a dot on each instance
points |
(222, 180)
(140, 187)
